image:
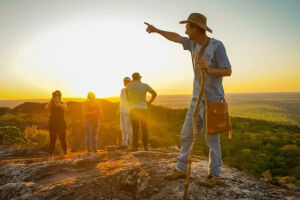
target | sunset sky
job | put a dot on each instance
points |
(79, 46)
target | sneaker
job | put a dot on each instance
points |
(175, 175)
(122, 147)
(50, 155)
(133, 148)
(209, 176)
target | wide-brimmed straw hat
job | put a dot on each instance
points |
(197, 19)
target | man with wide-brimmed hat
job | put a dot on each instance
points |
(216, 65)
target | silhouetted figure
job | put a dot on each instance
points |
(57, 122)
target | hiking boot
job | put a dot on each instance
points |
(175, 175)
(211, 181)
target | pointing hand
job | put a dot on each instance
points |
(150, 28)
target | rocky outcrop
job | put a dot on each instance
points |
(123, 175)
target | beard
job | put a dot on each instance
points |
(190, 36)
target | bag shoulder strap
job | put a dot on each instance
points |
(201, 78)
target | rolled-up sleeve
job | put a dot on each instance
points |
(221, 57)
(186, 43)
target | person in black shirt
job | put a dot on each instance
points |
(57, 122)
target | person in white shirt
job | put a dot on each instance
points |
(125, 122)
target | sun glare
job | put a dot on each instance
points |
(86, 56)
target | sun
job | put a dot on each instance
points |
(84, 56)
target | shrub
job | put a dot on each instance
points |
(7, 117)
(267, 176)
(37, 139)
(11, 135)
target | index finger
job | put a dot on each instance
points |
(147, 24)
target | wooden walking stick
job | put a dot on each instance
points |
(201, 74)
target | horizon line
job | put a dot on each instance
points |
(112, 97)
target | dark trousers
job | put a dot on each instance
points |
(62, 137)
(139, 116)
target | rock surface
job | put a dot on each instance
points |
(123, 175)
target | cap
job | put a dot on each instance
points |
(136, 76)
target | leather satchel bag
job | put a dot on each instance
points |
(217, 118)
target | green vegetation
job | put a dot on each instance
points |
(261, 111)
(32, 137)
(11, 135)
(267, 149)
(258, 146)
(281, 111)
(37, 139)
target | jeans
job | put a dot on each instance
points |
(212, 141)
(139, 116)
(126, 128)
(91, 129)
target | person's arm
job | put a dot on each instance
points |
(99, 108)
(118, 110)
(223, 65)
(49, 104)
(84, 109)
(127, 94)
(219, 72)
(60, 104)
(63, 106)
(85, 112)
(154, 94)
(174, 37)
(123, 92)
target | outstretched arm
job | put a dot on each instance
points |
(174, 37)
